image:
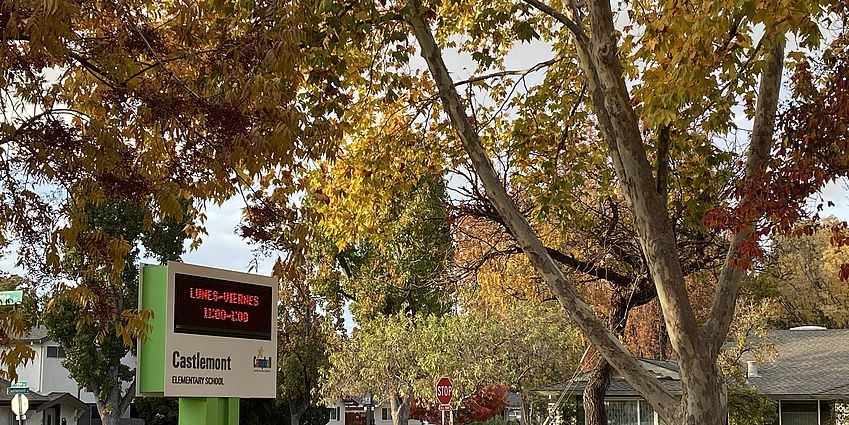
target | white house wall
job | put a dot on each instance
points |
(31, 372)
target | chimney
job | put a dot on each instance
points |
(752, 369)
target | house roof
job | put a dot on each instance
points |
(665, 371)
(810, 364)
(60, 398)
(36, 334)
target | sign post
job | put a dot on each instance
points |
(444, 392)
(20, 406)
(213, 340)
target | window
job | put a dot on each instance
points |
(338, 413)
(622, 412)
(626, 412)
(646, 413)
(384, 414)
(55, 352)
(798, 412)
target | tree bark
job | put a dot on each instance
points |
(525, 400)
(400, 409)
(297, 408)
(623, 300)
(595, 412)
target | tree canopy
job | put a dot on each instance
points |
(636, 111)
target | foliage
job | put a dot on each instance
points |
(802, 274)
(482, 407)
(379, 359)
(748, 338)
(96, 320)
(259, 412)
(157, 410)
(15, 321)
(746, 406)
(306, 338)
(494, 421)
(402, 267)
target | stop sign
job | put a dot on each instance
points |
(443, 390)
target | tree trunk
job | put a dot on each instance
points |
(525, 400)
(297, 408)
(595, 413)
(623, 300)
(113, 408)
(400, 409)
(109, 415)
(703, 402)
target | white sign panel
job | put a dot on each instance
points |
(221, 336)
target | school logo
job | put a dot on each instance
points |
(260, 361)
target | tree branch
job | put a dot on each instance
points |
(573, 26)
(607, 343)
(520, 72)
(127, 398)
(662, 162)
(725, 297)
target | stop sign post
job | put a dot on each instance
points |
(20, 406)
(444, 392)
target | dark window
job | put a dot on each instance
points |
(55, 352)
(332, 413)
(384, 414)
(798, 412)
(338, 413)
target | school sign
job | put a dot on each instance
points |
(213, 334)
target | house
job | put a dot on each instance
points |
(353, 412)
(55, 408)
(809, 376)
(55, 398)
(625, 406)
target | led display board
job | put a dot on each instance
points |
(208, 306)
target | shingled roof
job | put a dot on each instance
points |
(665, 371)
(810, 364)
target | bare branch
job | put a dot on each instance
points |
(508, 73)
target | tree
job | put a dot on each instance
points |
(93, 320)
(305, 342)
(598, 54)
(380, 360)
(400, 270)
(521, 346)
(802, 273)
(152, 102)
